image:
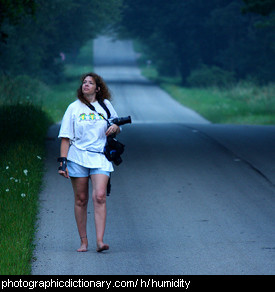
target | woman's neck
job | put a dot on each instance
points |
(91, 97)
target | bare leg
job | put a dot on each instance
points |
(99, 182)
(81, 192)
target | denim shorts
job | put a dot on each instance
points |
(76, 170)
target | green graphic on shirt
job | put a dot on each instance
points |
(89, 117)
(92, 116)
(82, 117)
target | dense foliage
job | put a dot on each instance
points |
(182, 36)
(36, 35)
(190, 38)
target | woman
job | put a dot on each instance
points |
(83, 136)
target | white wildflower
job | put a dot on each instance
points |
(38, 157)
(23, 195)
(7, 167)
(7, 190)
(25, 171)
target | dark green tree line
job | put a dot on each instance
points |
(183, 36)
(13, 10)
(35, 32)
(263, 7)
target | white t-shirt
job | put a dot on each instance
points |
(86, 131)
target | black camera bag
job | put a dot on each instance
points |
(113, 149)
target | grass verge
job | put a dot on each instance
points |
(242, 103)
(22, 153)
(27, 108)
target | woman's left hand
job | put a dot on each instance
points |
(114, 129)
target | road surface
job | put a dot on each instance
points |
(189, 198)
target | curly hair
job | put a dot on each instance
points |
(103, 93)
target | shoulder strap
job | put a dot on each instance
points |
(90, 106)
(105, 108)
(102, 103)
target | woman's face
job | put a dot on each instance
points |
(89, 86)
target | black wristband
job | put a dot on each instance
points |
(63, 161)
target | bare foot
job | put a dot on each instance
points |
(101, 247)
(84, 244)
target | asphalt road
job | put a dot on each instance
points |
(189, 198)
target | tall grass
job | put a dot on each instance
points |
(240, 103)
(27, 108)
(21, 90)
(23, 130)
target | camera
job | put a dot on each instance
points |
(120, 121)
(113, 148)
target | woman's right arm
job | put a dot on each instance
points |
(64, 148)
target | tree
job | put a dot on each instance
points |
(263, 7)
(12, 11)
(35, 36)
(185, 35)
